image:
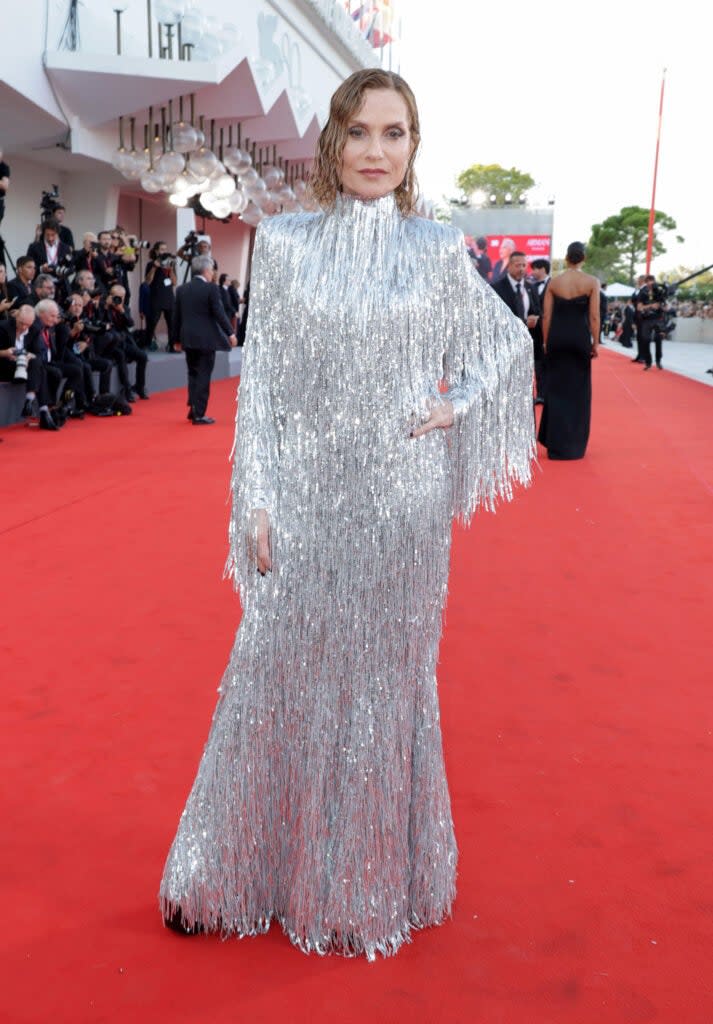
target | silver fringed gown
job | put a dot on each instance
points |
(321, 797)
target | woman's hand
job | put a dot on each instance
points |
(261, 534)
(441, 416)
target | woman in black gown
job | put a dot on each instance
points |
(570, 329)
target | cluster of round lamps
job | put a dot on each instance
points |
(208, 36)
(229, 186)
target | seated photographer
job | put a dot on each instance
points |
(15, 361)
(74, 347)
(161, 278)
(104, 346)
(20, 288)
(43, 287)
(52, 256)
(119, 325)
(42, 343)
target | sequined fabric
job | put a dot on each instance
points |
(321, 798)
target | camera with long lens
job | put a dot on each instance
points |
(20, 364)
(138, 243)
(49, 203)
(62, 269)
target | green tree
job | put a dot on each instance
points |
(617, 246)
(494, 180)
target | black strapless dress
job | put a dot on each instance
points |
(564, 427)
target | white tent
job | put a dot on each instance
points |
(619, 291)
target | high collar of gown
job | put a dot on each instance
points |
(355, 209)
(362, 234)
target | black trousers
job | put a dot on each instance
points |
(44, 379)
(110, 346)
(103, 368)
(200, 366)
(650, 330)
(79, 377)
(134, 354)
(152, 324)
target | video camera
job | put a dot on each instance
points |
(49, 203)
(650, 294)
(190, 246)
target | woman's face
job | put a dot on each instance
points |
(378, 146)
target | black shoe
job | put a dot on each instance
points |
(202, 421)
(141, 393)
(637, 360)
(129, 395)
(28, 408)
(46, 421)
(659, 366)
(539, 401)
(647, 366)
(190, 414)
(176, 924)
(710, 371)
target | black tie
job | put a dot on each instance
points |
(519, 304)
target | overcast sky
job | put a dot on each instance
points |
(569, 92)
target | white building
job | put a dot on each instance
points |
(69, 71)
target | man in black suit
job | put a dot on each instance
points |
(52, 256)
(639, 357)
(519, 295)
(540, 269)
(201, 327)
(42, 343)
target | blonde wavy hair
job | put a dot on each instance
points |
(325, 181)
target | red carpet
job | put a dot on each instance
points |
(577, 694)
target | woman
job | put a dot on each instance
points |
(570, 329)
(321, 799)
(161, 279)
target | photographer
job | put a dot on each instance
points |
(15, 361)
(119, 326)
(74, 347)
(20, 288)
(42, 343)
(52, 256)
(161, 278)
(42, 288)
(84, 258)
(125, 258)
(650, 305)
(195, 245)
(105, 344)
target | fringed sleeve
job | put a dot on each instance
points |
(254, 480)
(488, 372)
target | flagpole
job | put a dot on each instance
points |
(652, 211)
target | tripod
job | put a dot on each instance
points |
(5, 255)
